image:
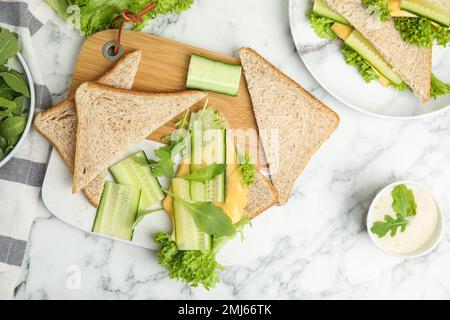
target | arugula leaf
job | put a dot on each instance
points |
(438, 87)
(247, 169)
(390, 224)
(163, 167)
(16, 82)
(142, 214)
(12, 127)
(353, 58)
(9, 45)
(404, 206)
(379, 7)
(321, 26)
(209, 218)
(205, 174)
(404, 203)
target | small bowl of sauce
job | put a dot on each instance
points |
(405, 220)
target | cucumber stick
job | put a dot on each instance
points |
(361, 45)
(117, 211)
(322, 9)
(211, 75)
(133, 171)
(208, 147)
(427, 9)
(187, 234)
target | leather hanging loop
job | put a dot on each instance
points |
(128, 16)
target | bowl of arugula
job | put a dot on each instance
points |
(16, 96)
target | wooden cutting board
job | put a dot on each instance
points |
(164, 67)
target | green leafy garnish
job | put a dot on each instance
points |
(97, 15)
(420, 31)
(404, 203)
(353, 58)
(13, 88)
(381, 228)
(164, 166)
(209, 218)
(379, 7)
(142, 214)
(321, 26)
(247, 169)
(400, 87)
(404, 206)
(16, 82)
(205, 174)
(9, 45)
(193, 267)
(438, 87)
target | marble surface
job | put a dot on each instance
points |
(316, 246)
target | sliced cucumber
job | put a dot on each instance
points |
(214, 152)
(199, 191)
(321, 8)
(361, 45)
(117, 211)
(427, 9)
(187, 234)
(211, 75)
(133, 171)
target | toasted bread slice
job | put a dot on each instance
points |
(411, 62)
(58, 123)
(292, 123)
(110, 120)
(261, 196)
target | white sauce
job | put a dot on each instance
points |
(420, 228)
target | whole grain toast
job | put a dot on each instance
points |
(58, 123)
(292, 123)
(411, 62)
(110, 120)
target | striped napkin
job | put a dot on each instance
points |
(21, 178)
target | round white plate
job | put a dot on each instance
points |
(324, 60)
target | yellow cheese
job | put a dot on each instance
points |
(394, 5)
(403, 13)
(342, 31)
(236, 194)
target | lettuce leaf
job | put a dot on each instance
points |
(353, 58)
(421, 31)
(379, 7)
(438, 87)
(194, 267)
(97, 15)
(321, 26)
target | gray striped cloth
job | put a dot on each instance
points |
(21, 178)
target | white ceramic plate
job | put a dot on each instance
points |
(20, 64)
(75, 210)
(324, 60)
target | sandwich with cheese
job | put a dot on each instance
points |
(378, 45)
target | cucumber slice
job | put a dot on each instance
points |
(361, 45)
(134, 172)
(214, 152)
(198, 189)
(187, 234)
(321, 8)
(211, 75)
(429, 10)
(117, 211)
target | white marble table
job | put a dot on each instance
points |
(316, 246)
